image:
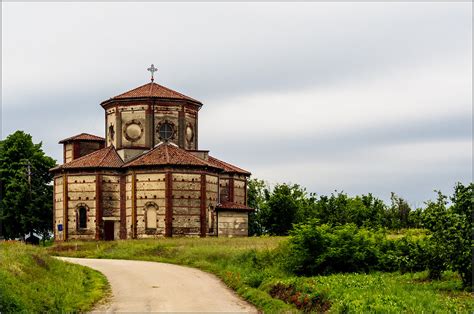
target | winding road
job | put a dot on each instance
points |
(139, 286)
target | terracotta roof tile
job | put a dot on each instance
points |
(231, 206)
(168, 154)
(227, 167)
(154, 90)
(103, 158)
(83, 137)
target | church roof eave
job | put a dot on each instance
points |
(231, 206)
(107, 102)
(169, 155)
(105, 158)
(83, 137)
(151, 91)
(175, 166)
(228, 168)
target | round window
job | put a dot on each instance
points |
(166, 131)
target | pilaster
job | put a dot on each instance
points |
(65, 208)
(202, 216)
(168, 205)
(98, 206)
(134, 205)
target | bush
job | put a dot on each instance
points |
(314, 249)
(407, 254)
(301, 293)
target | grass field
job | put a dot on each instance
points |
(32, 281)
(251, 266)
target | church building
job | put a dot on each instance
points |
(147, 178)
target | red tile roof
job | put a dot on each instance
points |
(103, 158)
(227, 167)
(154, 90)
(168, 154)
(231, 206)
(83, 137)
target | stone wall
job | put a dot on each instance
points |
(190, 129)
(211, 202)
(81, 192)
(68, 152)
(110, 195)
(232, 224)
(150, 204)
(224, 189)
(189, 198)
(86, 148)
(112, 125)
(128, 206)
(186, 200)
(239, 190)
(58, 209)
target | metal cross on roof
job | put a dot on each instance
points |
(152, 69)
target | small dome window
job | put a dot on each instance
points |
(166, 131)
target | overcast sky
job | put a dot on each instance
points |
(359, 97)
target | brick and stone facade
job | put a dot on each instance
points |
(147, 178)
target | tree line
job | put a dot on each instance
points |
(339, 233)
(278, 209)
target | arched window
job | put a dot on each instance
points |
(82, 219)
(150, 213)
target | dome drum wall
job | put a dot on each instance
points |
(139, 124)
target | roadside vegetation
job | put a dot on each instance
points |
(336, 226)
(256, 268)
(34, 282)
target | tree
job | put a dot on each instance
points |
(398, 213)
(333, 209)
(281, 208)
(25, 187)
(452, 230)
(256, 200)
(375, 211)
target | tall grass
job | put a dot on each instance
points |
(252, 267)
(32, 281)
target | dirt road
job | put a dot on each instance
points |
(139, 286)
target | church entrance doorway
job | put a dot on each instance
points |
(108, 230)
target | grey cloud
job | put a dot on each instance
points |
(231, 49)
(283, 150)
(60, 60)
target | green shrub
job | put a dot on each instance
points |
(315, 249)
(302, 294)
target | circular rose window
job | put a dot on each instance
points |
(166, 131)
(133, 130)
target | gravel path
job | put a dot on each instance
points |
(139, 286)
